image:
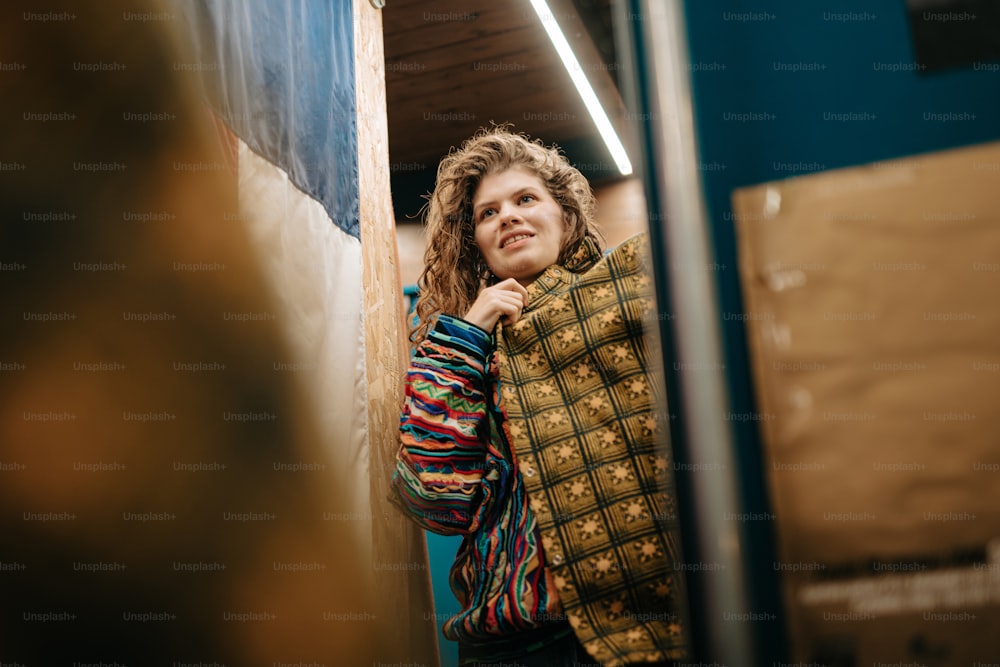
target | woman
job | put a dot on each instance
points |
(531, 423)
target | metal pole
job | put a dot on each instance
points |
(703, 441)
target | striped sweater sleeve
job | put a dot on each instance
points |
(440, 466)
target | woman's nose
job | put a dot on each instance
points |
(509, 215)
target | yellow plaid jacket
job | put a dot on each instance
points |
(588, 423)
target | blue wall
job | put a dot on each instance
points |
(441, 552)
(801, 68)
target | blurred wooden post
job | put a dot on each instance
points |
(405, 605)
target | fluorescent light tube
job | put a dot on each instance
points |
(583, 86)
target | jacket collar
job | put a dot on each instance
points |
(587, 254)
(553, 279)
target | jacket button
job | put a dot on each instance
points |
(529, 471)
(557, 559)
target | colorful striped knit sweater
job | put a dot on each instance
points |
(455, 475)
(560, 487)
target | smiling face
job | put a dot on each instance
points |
(520, 228)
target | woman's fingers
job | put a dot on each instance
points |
(511, 308)
(504, 300)
(513, 286)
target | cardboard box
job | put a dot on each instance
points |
(872, 299)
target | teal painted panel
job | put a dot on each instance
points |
(441, 552)
(786, 87)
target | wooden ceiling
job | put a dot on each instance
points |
(453, 66)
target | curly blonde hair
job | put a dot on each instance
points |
(454, 269)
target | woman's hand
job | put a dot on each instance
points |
(503, 301)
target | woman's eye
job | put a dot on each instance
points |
(486, 212)
(527, 198)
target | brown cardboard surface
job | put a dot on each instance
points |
(871, 309)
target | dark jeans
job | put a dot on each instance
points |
(550, 646)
